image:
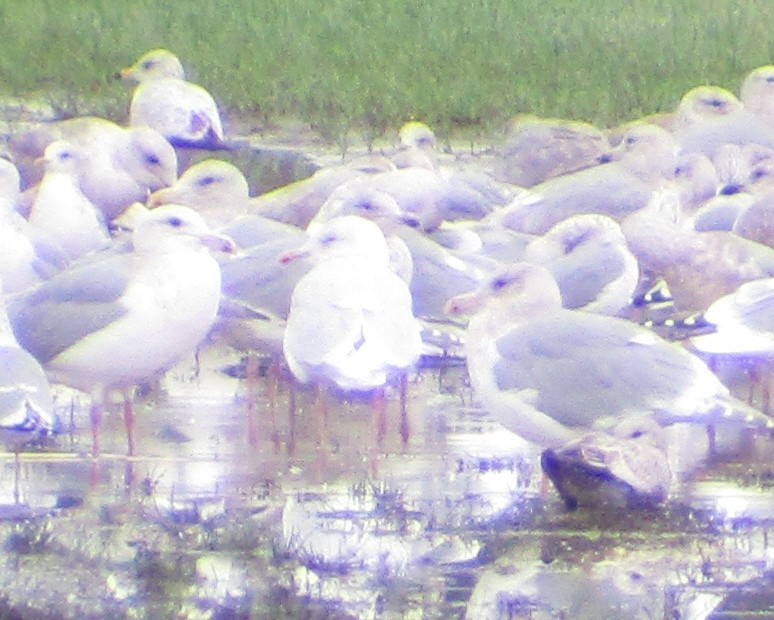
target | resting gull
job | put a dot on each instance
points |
(590, 261)
(183, 112)
(28, 256)
(643, 161)
(61, 209)
(536, 149)
(118, 165)
(26, 402)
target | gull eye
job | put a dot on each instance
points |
(366, 206)
(148, 64)
(153, 159)
(209, 180)
(328, 239)
(175, 221)
(499, 284)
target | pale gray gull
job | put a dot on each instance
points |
(590, 261)
(118, 166)
(113, 323)
(62, 210)
(29, 256)
(183, 112)
(551, 375)
(26, 401)
(644, 160)
(743, 324)
(350, 321)
(709, 117)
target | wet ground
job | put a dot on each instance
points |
(214, 520)
(232, 508)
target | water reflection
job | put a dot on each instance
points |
(458, 522)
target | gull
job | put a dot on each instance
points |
(219, 192)
(216, 189)
(434, 272)
(61, 209)
(26, 401)
(551, 375)
(699, 267)
(628, 469)
(183, 112)
(588, 257)
(418, 146)
(757, 92)
(117, 321)
(350, 324)
(743, 328)
(350, 320)
(646, 157)
(536, 149)
(709, 117)
(117, 166)
(29, 256)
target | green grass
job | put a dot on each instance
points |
(370, 64)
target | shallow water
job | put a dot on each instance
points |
(209, 520)
(234, 508)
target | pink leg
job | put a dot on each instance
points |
(130, 418)
(96, 422)
(405, 429)
(274, 376)
(379, 402)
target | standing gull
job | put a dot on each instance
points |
(113, 323)
(350, 324)
(550, 374)
(183, 112)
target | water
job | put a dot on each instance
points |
(205, 522)
(232, 508)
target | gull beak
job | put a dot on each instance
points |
(161, 197)
(218, 243)
(466, 303)
(293, 255)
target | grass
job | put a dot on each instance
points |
(369, 65)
